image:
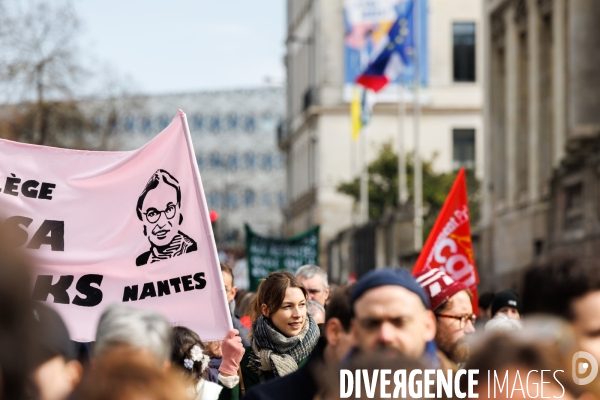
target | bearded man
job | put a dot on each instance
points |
(451, 303)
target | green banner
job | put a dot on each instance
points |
(266, 255)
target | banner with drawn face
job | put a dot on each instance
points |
(116, 227)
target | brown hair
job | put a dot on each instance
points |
(246, 302)
(18, 339)
(340, 307)
(226, 268)
(551, 287)
(501, 351)
(448, 303)
(271, 292)
(125, 375)
(183, 341)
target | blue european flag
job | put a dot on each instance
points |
(400, 40)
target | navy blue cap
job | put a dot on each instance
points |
(385, 277)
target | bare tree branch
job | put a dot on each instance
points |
(41, 69)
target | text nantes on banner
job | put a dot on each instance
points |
(129, 227)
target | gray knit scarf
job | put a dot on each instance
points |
(273, 351)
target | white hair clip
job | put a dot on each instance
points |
(204, 362)
(196, 353)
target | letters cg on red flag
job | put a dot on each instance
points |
(449, 246)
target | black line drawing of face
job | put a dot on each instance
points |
(159, 209)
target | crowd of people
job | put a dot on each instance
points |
(293, 336)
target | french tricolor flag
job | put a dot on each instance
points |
(392, 52)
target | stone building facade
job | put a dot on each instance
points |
(316, 134)
(542, 124)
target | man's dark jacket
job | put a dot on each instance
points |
(244, 332)
(299, 385)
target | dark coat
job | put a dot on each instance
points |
(244, 332)
(251, 378)
(299, 385)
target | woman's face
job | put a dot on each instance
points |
(290, 317)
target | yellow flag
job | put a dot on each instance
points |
(356, 113)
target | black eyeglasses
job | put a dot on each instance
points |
(462, 318)
(153, 215)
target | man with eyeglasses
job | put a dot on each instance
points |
(451, 303)
(315, 281)
(159, 209)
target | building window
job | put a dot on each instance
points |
(463, 149)
(574, 206)
(464, 51)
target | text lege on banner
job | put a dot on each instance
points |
(126, 227)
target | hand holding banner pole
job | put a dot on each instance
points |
(203, 206)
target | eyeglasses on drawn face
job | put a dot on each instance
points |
(462, 318)
(153, 215)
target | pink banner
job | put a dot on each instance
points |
(128, 227)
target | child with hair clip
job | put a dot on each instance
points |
(189, 355)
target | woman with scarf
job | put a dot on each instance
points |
(283, 332)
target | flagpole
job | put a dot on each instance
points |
(354, 170)
(205, 218)
(364, 177)
(418, 168)
(402, 187)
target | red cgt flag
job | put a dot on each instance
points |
(448, 246)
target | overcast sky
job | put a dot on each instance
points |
(168, 46)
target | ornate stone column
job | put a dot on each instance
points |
(511, 49)
(584, 67)
(559, 78)
(533, 36)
